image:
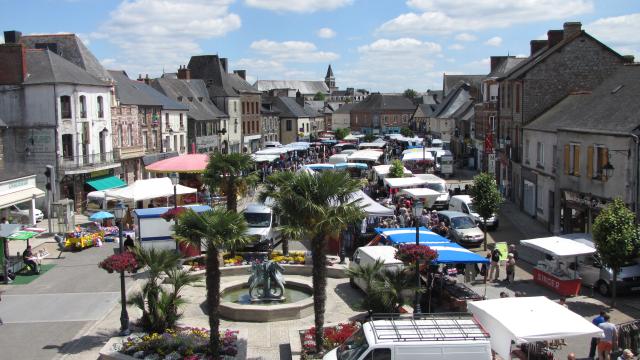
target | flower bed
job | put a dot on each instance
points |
(125, 261)
(334, 336)
(180, 344)
(295, 257)
(409, 253)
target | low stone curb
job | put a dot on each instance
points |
(334, 271)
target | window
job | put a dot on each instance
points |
(181, 120)
(244, 106)
(130, 133)
(492, 124)
(540, 154)
(540, 198)
(597, 158)
(518, 98)
(120, 136)
(307, 127)
(67, 145)
(554, 155)
(572, 159)
(145, 141)
(100, 107)
(244, 128)
(289, 127)
(83, 107)
(235, 107)
(379, 354)
(154, 139)
(65, 107)
(526, 151)
(509, 94)
(235, 126)
(167, 124)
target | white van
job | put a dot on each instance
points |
(368, 255)
(428, 336)
(261, 223)
(439, 185)
(464, 203)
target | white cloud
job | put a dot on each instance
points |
(479, 66)
(326, 33)
(456, 47)
(161, 34)
(272, 69)
(393, 65)
(292, 51)
(619, 32)
(299, 6)
(494, 41)
(466, 37)
(447, 16)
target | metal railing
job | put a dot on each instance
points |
(91, 160)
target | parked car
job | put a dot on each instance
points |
(464, 203)
(462, 228)
(20, 213)
(416, 337)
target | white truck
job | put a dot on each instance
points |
(368, 255)
(439, 185)
(427, 336)
(262, 227)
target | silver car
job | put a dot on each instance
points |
(462, 228)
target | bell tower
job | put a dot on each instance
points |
(330, 80)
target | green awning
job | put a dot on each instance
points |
(105, 183)
(22, 235)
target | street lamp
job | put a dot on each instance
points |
(175, 178)
(417, 211)
(607, 169)
(119, 213)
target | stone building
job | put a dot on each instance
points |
(381, 114)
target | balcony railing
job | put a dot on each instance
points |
(128, 152)
(86, 161)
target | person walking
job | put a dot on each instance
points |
(608, 342)
(510, 268)
(594, 341)
(494, 267)
(626, 355)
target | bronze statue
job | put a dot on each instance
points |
(266, 282)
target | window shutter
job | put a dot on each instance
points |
(576, 160)
(566, 159)
(590, 161)
(604, 159)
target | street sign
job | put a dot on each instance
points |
(491, 163)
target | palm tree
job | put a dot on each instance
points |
(318, 206)
(217, 228)
(225, 172)
(388, 290)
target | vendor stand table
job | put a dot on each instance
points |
(454, 294)
(561, 285)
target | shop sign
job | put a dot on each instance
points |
(583, 200)
(11, 186)
(100, 173)
(491, 163)
(549, 281)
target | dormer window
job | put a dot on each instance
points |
(179, 98)
(200, 98)
(190, 99)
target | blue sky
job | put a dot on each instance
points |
(381, 45)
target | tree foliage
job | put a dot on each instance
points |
(227, 173)
(406, 132)
(319, 96)
(342, 133)
(317, 206)
(385, 288)
(615, 235)
(410, 94)
(486, 199)
(396, 170)
(369, 138)
(218, 229)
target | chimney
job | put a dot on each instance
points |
(572, 29)
(13, 66)
(537, 45)
(146, 79)
(184, 73)
(627, 59)
(224, 62)
(554, 37)
(299, 98)
(495, 61)
(241, 73)
(12, 37)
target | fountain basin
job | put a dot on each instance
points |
(300, 306)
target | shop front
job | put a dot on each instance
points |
(18, 199)
(579, 210)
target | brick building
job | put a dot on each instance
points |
(381, 114)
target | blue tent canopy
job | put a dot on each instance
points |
(352, 165)
(448, 252)
(319, 167)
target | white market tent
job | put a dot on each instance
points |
(370, 206)
(148, 189)
(417, 156)
(559, 246)
(365, 155)
(405, 182)
(372, 145)
(428, 195)
(273, 151)
(383, 170)
(338, 158)
(264, 158)
(350, 137)
(528, 319)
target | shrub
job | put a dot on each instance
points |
(333, 337)
(125, 261)
(408, 254)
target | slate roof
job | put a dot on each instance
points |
(219, 81)
(45, 67)
(506, 65)
(612, 106)
(131, 92)
(70, 47)
(3, 124)
(459, 97)
(329, 72)
(345, 109)
(380, 102)
(289, 107)
(449, 82)
(194, 95)
(427, 109)
(432, 97)
(305, 87)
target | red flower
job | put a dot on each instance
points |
(173, 213)
(408, 254)
(119, 262)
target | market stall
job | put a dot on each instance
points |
(370, 206)
(555, 273)
(526, 320)
(404, 182)
(153, 231)
(184, 164)
(426, 195)
(370, 157)
(148, 189)
(320, 167)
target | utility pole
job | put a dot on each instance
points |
(48, 173)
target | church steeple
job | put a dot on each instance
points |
(329, 79)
